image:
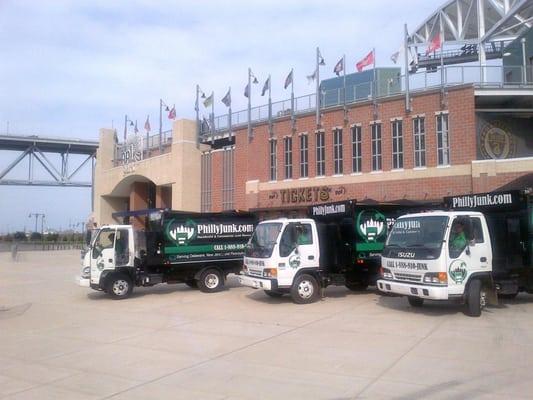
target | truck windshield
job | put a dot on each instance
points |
(263, 240)
(412, 232)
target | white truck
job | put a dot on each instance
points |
(440, 255)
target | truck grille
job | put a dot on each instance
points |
(256, 272)
(401, 276)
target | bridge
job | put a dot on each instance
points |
(36, 148)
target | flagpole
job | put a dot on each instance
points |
(147, 138)
(344, 84)
(292, 100)
(441, 34)
(212, 117)
(249, 103)
(375, 74)
(270, 128)
(160, 125)
(406, 61)
(229, 115)
(125, 126)
(197, 109)
(317, 87)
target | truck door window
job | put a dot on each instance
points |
(477, 230)
(105, 240)
(458, 238)
(121, 247)
(305, 234)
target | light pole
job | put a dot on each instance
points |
(524, 61)
(37, 215)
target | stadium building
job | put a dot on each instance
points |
(459, 121)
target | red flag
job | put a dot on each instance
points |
(368, 60)
(172, 113)
(435, 44)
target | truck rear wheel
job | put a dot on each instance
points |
(305, 289)
(119, 286)
(476, 298)
(415, 301)
(211, 281)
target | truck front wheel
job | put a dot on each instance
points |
(119, 286)
(305, 289)
(476, 298)
(211, 281)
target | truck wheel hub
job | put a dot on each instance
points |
(120, 287)
(305, 289)
(211, 281)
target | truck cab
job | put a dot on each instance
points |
(439, 255)
(109, 263)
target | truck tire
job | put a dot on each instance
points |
(272, 294)
(211, 280)
(119, 286)
(192, 283)
(305, 289)
(415, 301)
(475, 300)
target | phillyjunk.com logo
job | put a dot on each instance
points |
(181, 233)
(371, 225)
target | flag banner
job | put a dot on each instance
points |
(288, 80)
(247, 91)
(368, 60)
(172, 113)
(227, 99)
(435, 44)
(206, 124)
(208, 101)
(339, 67)
(396, 56)
(311, 78)
(136, 130)
(147, 124)
(266, 86)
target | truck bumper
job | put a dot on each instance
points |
(408, 289)
(83, 282)
(257, 283)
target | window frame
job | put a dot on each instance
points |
(304, 155)
(397, 144)
(320, 153)
(419, 140)
(338, 156)
(376, 146)
(441, 134)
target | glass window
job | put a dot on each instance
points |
(104, 240)
(397, 144)
(121, 247)
(419, 136)
(273, 159)
(458, 238)
(356, 149)
(320, 154)
(287, 141)
(443, 144)
(337, 152)
(304, 156)
(477, 230)
(376, 147)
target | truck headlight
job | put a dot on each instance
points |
(270, 272)
(436, 277)
(386, 273)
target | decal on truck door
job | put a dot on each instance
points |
(458, 271)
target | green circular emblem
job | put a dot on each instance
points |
(458, 271)
(371, 225)
(294, 261)
(180, 232)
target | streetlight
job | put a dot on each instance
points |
(37, 215)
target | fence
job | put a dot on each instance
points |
(479, 76)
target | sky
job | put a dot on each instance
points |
(69, 68)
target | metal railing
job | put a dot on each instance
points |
(481, 77)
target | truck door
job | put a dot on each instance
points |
(298, 249)
(468, 251)
(103, 253)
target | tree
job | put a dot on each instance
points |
(19, 235)
(36, 236)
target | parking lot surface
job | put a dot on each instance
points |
(61, 341)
